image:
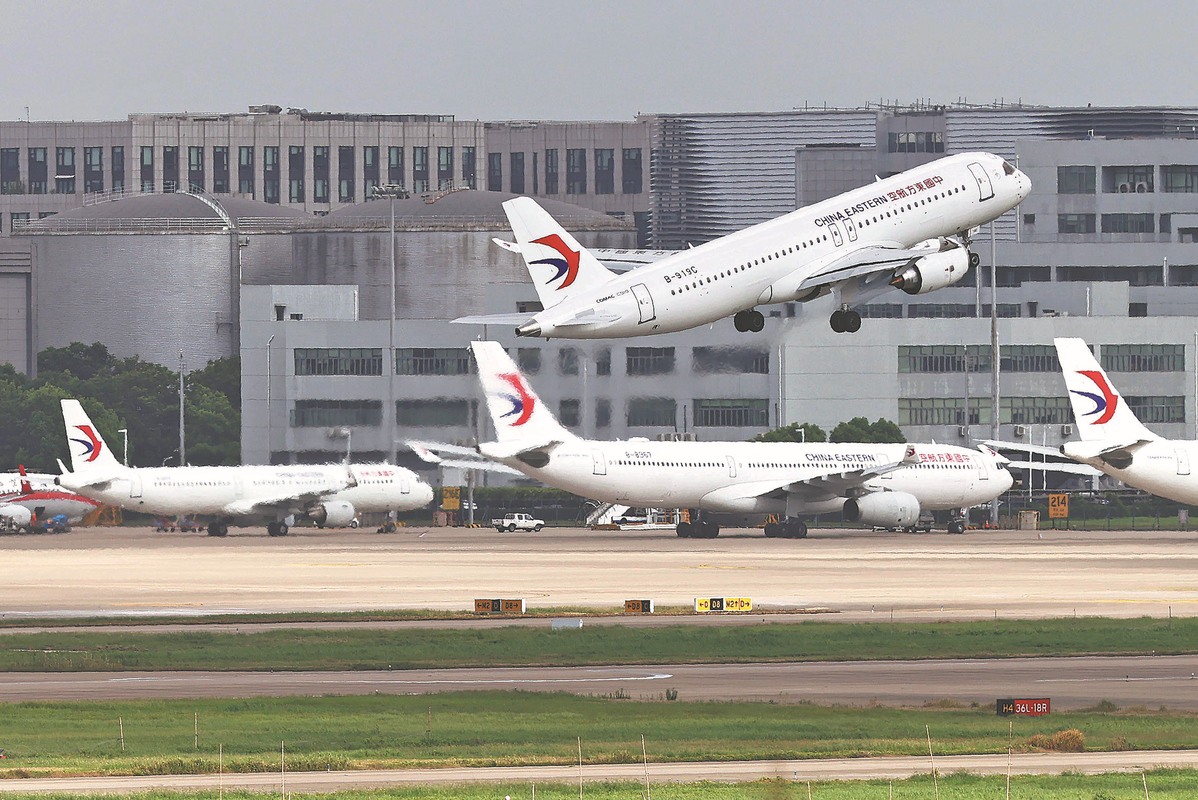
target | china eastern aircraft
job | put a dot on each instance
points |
(329, 494)
(885, 485)
(1113, 440)
(907, 231)
(26, 499)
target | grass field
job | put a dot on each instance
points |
(513, 728)
(337, 649)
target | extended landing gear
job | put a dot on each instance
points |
(277, 528)
(845, 320)
(790, 528)
(956, 526)
(749, 320)
(218, 529)
(700, 529)
(974, 260)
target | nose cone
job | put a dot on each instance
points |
(425, 493)
(1024, 185)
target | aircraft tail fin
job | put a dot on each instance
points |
(1100, 412)
(89, 451)
(558, 265)
(516, 411)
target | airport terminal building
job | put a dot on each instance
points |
(1106, 248)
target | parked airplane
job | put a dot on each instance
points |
(26, 499)
(1113, 440)
(875, 484)
(329, 494)
(907, 231)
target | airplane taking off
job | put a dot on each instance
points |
(1113, 440)
(876, 484)
(906, 231)
(329, 494)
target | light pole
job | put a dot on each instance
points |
(391, 191)
(269, 428)
(182, 450)
(124, 432)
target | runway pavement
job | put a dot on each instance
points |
(519, 778)
(849, 575)
(1071, 683)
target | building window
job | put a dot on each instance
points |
(220, 170)
(605, 171)
(602, 412)
(469, 168)
(649, 360)
(295, 174)
(1075, 223)
(551, 172)
(943, 358)
(567, 361)
(345, 174)
(10, 171)
(64, 170)
(93, 169)
(603, 361)
(1076, 180)
(270, 174)
(370, 170)
(147, 169)
(118, 169)
(1128, 223)
(652, 412)
(632, 171)
(1179, 178)
(444, 168)
(941, 310)
(576, 171)
(1127, 179)
(170, 169)
(731, 360)
(736, 413)
(1034, 410)
(17, 220)
(881, 311)
(1155, 410)
(338, 361)
(569, 413)
(1144, 357)
(1027, 358)
(395, 165)
(432, 361)
(941, 411)
(1137, 309)
(245, 171)
(528, 359)
(420, 179)
(39, 171)
(1145, 275)
(494, 172)
(437, 412)
(915, 142)
(517, 177)
(335, 413)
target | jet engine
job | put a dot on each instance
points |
(883, 509)
(334, 513)
(17, 516)
(933, 271)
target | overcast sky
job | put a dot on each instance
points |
(580, 59)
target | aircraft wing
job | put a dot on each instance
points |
(831, 482)
(494, 319)
(857, 263)
(287, 501)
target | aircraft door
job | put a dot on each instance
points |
(644, 302)
(405, 483)
(731, 466)
(134, 485)
(983, 467)
(1183, 461)
(598, 463)
(985, 188)
(837, 236)
(850, 228)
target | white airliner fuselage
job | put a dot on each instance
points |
(846, 245)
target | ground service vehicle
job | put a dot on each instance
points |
(518, 522)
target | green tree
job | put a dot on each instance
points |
(794, 432)
(222, 375)
(859, 429)
(81, 360)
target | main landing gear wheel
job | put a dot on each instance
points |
(788, 529)
(749, 320)
(974, 260)
(277, 528)
(845, 320)
(683, 529)
(218, 529)
(956, 526)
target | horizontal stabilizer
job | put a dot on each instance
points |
(515, 448)
(1023, 447)
(1098, 449)
(494, 319)
(1064, 467)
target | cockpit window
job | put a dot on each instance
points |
(1007, 168)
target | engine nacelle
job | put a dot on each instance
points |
(334, 513)
(931, 272)
(17, 516)
(883, 509)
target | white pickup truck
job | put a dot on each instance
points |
(518, 522)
